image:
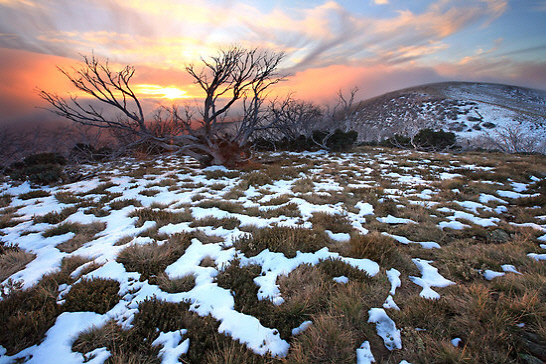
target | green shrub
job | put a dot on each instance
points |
(96, 295)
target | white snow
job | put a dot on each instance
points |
(304, 325)
(364, 354)
(172, 346)
(386, 328)
(430, 278)
(485, 198)
(508, 268)
(395, 220)
(405, 241)
(394, 278)
(365, 208)
(207, 298)
(57, 345)
(341, 279)
(389, 303)
(490, 275)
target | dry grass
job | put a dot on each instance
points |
(150, 260)
(34, 194)
(12, 261)
(84, 233)
(286, 240)
(176, 285)
(229, 223)
(486, 315)
(55, 217)
(334, 222)
(160, 216)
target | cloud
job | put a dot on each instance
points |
(381, 2)
(316, 36)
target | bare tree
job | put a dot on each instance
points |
(290, 118)
(514, 139)
(233, 75)
(342, 116)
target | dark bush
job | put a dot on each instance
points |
(339, 141)
(95, 295)
(25, 317)
(42, 168)
(429, 140)
(425, 139)
(44, 158)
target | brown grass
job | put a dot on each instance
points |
(151, 259)
(286, 240)
(13, 261)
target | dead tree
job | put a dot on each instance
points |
(233, 75)
(290, 118)
(342, 116)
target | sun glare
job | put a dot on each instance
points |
(160, 92)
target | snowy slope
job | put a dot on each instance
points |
(470, 110)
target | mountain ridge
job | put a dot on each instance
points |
(472, 110)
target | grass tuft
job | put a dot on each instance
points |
(150, 260)
(96, 295)
(286, 240)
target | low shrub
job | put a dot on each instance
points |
(336, 267)
(12, 260)
(162, 217)
(151, 259)
(55, 217)
(374, 246)
(286, 240)
(26, 315)
(34, 194)
(42, 168)
(336, 223)
(228, 223)
(96, 295)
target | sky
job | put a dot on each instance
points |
(375, 45)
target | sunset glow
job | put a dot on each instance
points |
(156, 91)
(377, 45)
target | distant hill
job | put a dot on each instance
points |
(471, 110)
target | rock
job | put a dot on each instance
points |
(533, 343)
(499, 236)
(529, 359)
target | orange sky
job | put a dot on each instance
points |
(376, 45)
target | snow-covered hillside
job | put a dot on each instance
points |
(471, 110)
